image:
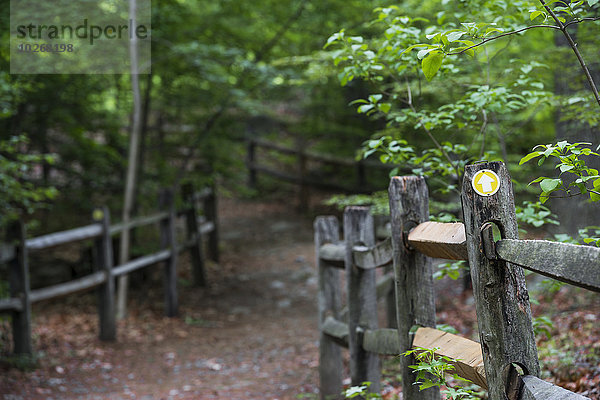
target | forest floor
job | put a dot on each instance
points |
(252, 333)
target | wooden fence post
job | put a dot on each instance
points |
(250, 163)
(330, 353)
(409, 206)
(18, 278)
(304, 195)
(362, 298)
(210, 211)
(167, 239)
(502, 301)
(191, 220)
(104, 262)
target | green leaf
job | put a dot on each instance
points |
(591, 3)
(530, 156)
(535, 14)
(548, 185)
(431, 64)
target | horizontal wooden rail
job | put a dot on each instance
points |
(333, 254)
(325, 158)
(574, 264)
(298, 180)
(440, 240)
(141, 262)
(469, 364)
(63, 237)
(378, 256)
(63, 289)
(202, 194)
(7, 252)
(137, 222)
(8, 305)
(382, 341)
(536, 389)
(337, 330)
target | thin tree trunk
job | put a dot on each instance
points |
(132, 159)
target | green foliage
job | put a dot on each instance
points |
(542, 325)
(19, 193)
(361, 391)
(569, 160)
(432, 371)
(451, 270)
(535, 214)
(378, 202)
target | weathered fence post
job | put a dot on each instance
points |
(103, 255)
(210, 212)
(191, 220)
(167, 239)
(250, 163)
(304, 195)
(362, 298)
(409, 206)
(330, 353)
(502, 301)
(18, 278)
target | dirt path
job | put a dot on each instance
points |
(251, 335)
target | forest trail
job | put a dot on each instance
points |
(252, 334)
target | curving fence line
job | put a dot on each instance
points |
(101, 232)
(505, 360)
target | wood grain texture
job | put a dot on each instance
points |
(502, 301)
(468, 354)
(377, 256)
(536, 389)
(337, 331)
(333, 254)
(193, 231)
(362, 299)
(18, 279)
(440, 240)
(382, 341)
(409, 206)
(327, 233)
(168, 242)
(573, 264)
(103, 257)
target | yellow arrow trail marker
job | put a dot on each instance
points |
(486, 182)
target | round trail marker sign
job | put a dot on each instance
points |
(486, 182)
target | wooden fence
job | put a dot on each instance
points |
(100, 231)
(302, 175)
(505, 360)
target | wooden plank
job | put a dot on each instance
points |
(440, 240)
(536, 389)
(7, 252)
(103, 258)
(58, 238)
(362, 298)
(468, 354)
(409, 206)
(202, 194)
(141, 262)
(577, 265)
(333, 254)
(326, 230)
(137, 222)
(338, 332)
(502, 302)
(382, 341)
(8, 305)
(378, 256)
(206, 227)
(63, 289)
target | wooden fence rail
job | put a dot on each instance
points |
(16, 255)
(301, 174)
(502, 303)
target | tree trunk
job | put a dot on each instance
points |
(132, 159)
